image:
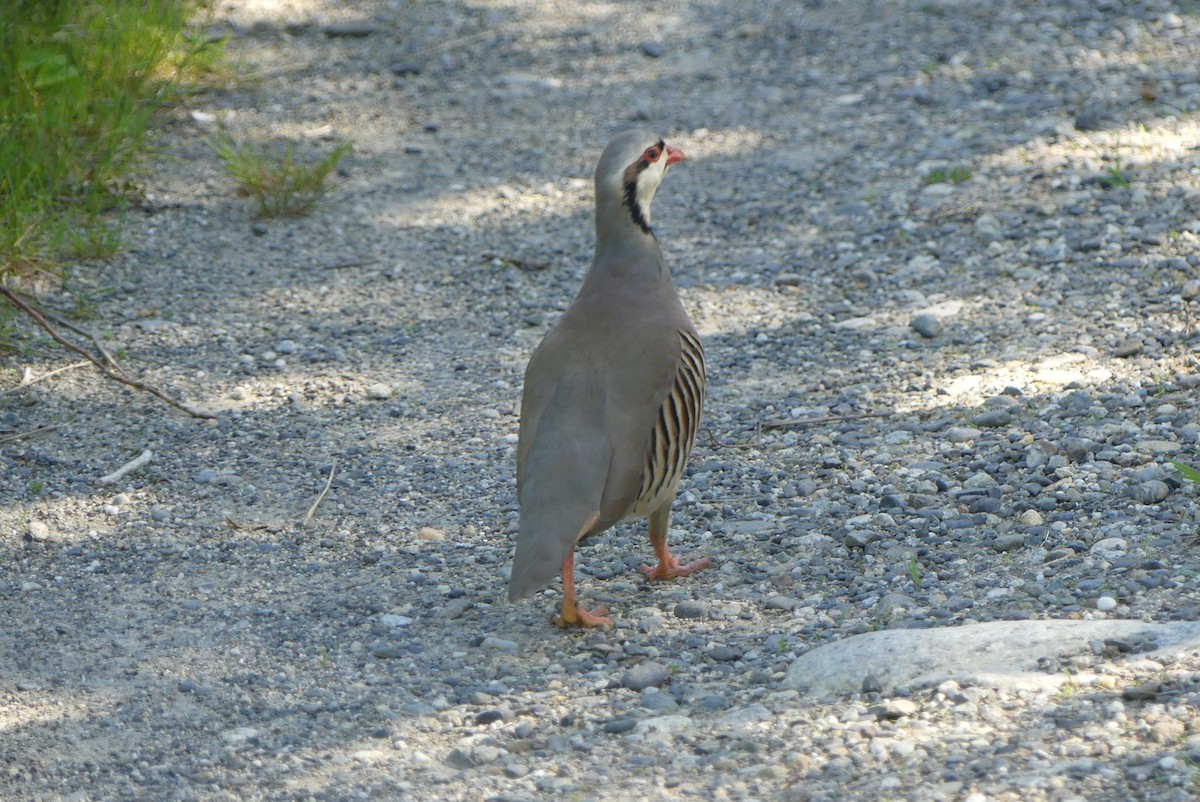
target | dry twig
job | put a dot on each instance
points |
(40, 319)
(328, 481)
(29, 378)
(128, 467)
(31, 432)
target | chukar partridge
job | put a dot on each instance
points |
(613, 393)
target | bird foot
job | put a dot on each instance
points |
(575, 616)
(671, 568)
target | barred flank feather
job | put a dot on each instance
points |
(675, 431)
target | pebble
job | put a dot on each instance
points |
(961, 434)
(1151, 492)
(499, 645)
(691, 609)
(892, 709)
(647, 674)
(1004, 543)
(380, 392)
(352, 30)
(1128, 348)
(1106, 603)
(39, 531)
(993, 418)
(926, 325)
(653, 49)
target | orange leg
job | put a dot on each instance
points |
(668, 566)
(572, 615)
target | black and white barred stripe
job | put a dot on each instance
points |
(675, 431)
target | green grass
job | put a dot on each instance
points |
(281, 183)
(1186, 471)
(79, 83)
(955, 175)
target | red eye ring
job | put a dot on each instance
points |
(652, 153)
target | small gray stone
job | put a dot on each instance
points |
(926, 325)
(454, 608)
(459, 758)
(406, 68)
(653, 699)
(961, 434)
(1008, 543)
(1151, 492)
(987, 229)
(724, 654)
(893, 709)
(861, 538)
(39, 531)
(653, 49)
(782, 603)
(1130, 347)
(499, 645)
(1092, 118)
(993, 418)
(691, 609)
(386, 651)
(379, 392)
(205, 477)
(350, 30)
(644, 675)
(619, 725)
(1142, 692)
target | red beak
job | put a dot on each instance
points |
(675, 155)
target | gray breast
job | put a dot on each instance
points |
(675, 430)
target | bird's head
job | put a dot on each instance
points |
(629, 172)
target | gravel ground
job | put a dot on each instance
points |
(945, 258)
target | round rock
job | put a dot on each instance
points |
(645, 675)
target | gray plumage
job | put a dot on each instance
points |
(613, 394)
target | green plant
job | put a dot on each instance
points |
(1187, 471)
(1114, 176)
(78, 85)
(914, 570)
(282, 184)
(955, 175)
(1068, 689)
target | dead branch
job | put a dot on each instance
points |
(31, 432)
(40, 319)
(328, 481)
(29, 378)
(128, 467)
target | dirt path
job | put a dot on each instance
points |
(964, 236)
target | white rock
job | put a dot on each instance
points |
(1110, 545)
(1106, 603)
(996, 654)
(661, 726)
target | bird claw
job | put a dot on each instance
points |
(671, 568)
(578, 617)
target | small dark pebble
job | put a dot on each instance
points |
(619, 725)
(1142, 692)
(725, 654)
(489, 717)
(653, 49)
(691, 609)
(350, 30)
